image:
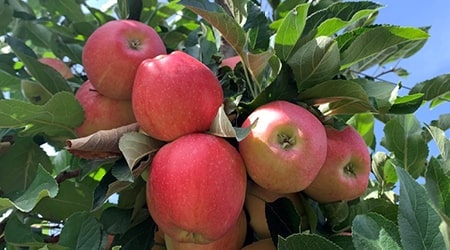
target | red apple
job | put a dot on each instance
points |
(174, 95)
(58, 65)
(196, 188)
(285, 150)
(230, 61)
(345, 173)
(232, 240)
(101, 112)
(266, 244)
(113, 53)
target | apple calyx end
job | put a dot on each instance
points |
(135, 44)
(286, 141)
(349, 170)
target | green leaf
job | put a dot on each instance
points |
(139, 237)
(72, 197)
(377, 39)
(81, 231)
(46, 75)
(406, 104)
(315, 62)
(18, 233)
(282, 218)
(403, 137)
(57, 117)
(384, 170)
(433, 88)
(338, 97)
(438, 186)
(441, 140)
(6, 14)
(290, 30)
(338, 15)
(221, 126)
(443, 122)
(373, 231)
(24, 157)
(382, 94)
(256, 26)
(364, 124)
(116, 220)
(417, 219)
(70, 9)
(136, 146)
(44, 185)
(306, 241)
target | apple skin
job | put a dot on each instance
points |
(174, 95)
(230, 61)
(265, 244)
(113, 52)
(58, 65)
(285, 149)
(101, 112)
(232, 240)
(196, 188)
(345, 173)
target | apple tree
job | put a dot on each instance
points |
(62, 191)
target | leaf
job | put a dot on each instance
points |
(49, 78)
(373, 231)
(115, 220)
(6, 13)
(57, 117)
(290, 30)
(443, 122)
(101, 144)
(135, 146)
(139, 237)
(417, 219)
(338, 15)
(306, 241)
(221, 126)
(364, 124)
(406, 104)
(403, 137)
(282, 218)
(18, 233)
(233, 33)
(72, 197)
(81, 231)
(432, 88)
(24, 157)
(338, 97)
(42, 186)
(69, 9)
(437, 185)
(377, 39)
(384, 170)
(441, 140)
(257, 27)
(315, 62)
(382, 94)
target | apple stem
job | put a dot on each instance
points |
(286, 141)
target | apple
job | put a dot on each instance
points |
(265, 244)
(230, 61)
(58, 65)
(196, 188)
(255, 204)
(286, 147)
(174, 95)
(113, 52)
(345, 173)
(232, 240)
(101, 112)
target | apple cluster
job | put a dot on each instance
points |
(202, 191)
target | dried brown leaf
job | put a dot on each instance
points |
(102, 144)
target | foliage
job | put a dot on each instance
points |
(311, 54)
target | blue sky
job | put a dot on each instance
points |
(434, 58)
